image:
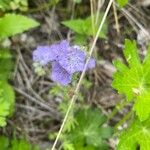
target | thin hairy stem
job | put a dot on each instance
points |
(82, 74)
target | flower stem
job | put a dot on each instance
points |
(82, 75)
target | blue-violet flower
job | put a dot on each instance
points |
(65, 60)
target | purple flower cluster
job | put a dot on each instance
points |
(65, 59)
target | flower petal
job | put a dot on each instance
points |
(46, 54)
(43, 54)
(91, 63)
(73, 61)
(60, 75)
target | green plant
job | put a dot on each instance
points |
(14, 144)
(10, 25)
(88, 132)
(137, 135)
(64, 95)
(7, 99)
(66, 92)
(84, 129)
(7, 96)
(133, 80)
(122, 3)
(83, 28)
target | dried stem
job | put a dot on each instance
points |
(82, 75)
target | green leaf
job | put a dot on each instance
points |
(4, 143)
(7, 98)
(76, 25)
(142, 106)
(22, 145)
(89, 132)
(134, 80)
(6, 64)
(80, 39)
(122, 3)
(68, 146)
(84, 26)
(131, 53)
(12, 24)
(15, 144)
(137, 135)
(19, 145)
(89, 30)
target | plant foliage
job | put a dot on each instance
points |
(7, 96)
(122, 3)
(12, 24)
(133, 79)
(84, 26)
(136, 136)
(6, 144)
(88, 133)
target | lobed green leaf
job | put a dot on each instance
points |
(89, 132)
(137, 136)
(15, 144)
(133, 80)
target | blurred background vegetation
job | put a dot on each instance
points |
(32, 106)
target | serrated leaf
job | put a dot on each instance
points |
(142, 106)
(122, 3)
(15, 144)
(131, 53)
(136, 137)
(84, 26)
(7, 98)
(89, 132)
(128, 82)
(134, 80)
(12, 24)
